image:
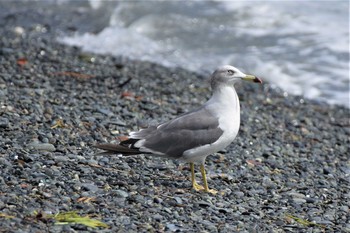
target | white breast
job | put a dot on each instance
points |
(224, 104)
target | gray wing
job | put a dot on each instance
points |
(191, 130)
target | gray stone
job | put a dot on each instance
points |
(121, 193)
(90, 187)
(4, 122)
(42, 146)
(299, 200)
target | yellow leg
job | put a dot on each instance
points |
(195, 186)
(204, 177)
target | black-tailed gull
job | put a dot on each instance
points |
(194, 135)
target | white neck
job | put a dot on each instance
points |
(224, 105)
(225, 96)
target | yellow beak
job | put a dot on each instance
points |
(252, 78)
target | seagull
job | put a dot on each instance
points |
(192, 136)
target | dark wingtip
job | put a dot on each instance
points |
(118, 149)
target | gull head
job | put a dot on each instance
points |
(228, 75)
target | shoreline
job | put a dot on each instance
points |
(287, 170)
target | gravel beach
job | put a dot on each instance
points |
(287, 171)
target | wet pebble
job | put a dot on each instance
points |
(49, 121)
(121, 193)
(4, 122)
(41, 146)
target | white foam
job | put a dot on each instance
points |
(116, 41)
(303, 47)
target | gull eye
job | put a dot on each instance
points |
(230, 72)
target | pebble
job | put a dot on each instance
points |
(299, 200)
(171, 227)
(4, 122)
(42, 146)
(117, 122)
(61, 158)
(105, 111)
(90, 187)
(5, 162)
(121, 193)
(299, 151)
(311, 200)
(203, 204)
(344, 208)
(157, 217)
(178, 200)
(296, 195)
(239, 194)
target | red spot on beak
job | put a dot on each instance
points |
(258, 80)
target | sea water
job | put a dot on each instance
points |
(299, 46)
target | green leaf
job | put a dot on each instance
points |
(303, 221)
(73, 217)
